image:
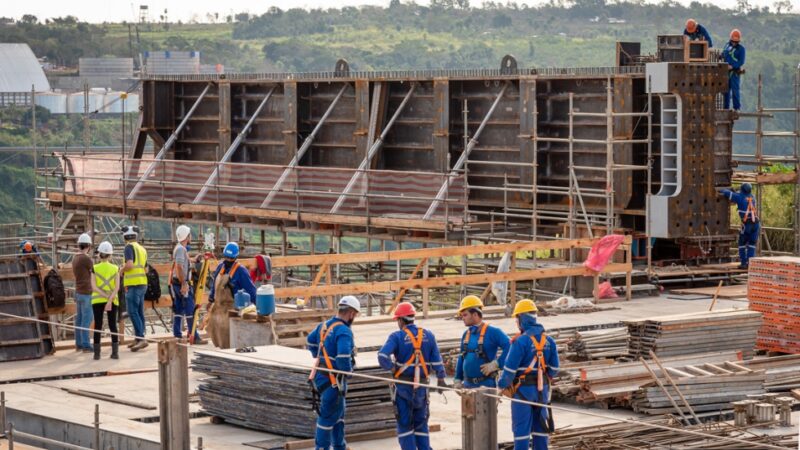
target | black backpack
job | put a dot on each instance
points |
(153, 292)
(54, 292)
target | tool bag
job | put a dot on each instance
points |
(153, 292)
(54, 292)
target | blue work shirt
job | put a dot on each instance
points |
(399, 346)
(734, 55)
(339, 346)
(700, 34)
(741, 201)
(469, 365)
(522, 353)
(239, 280)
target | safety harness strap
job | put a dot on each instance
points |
(751, 211)
(416, 359)
(479, 348)
(324, 332)
(538, 347)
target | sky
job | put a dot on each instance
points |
(185, 10)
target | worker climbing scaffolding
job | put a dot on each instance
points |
(751, 225)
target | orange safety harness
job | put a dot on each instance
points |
(323, 335)
(538, 347)
(416, 359)
(479, 349)
(751, 211)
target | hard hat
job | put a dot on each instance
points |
(130, 232)
(182, 232)
(231, 250)
(746, 188)
(736, 35)
(524, 306)
(404, 309)
(470, 301)
(349, 301)
(85, 239)
(27, 246)
(691, 25)
(105, 248)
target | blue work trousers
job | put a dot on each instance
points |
(330, 422)
(83, 319)
(748, 237)
(182, 310)
(732, 92)
(134, 301)
(411, 407)
(527, 420)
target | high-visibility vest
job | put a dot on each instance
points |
(137, 276)
(324, 332)
(105, 276)
(416, 359)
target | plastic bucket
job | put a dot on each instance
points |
(265, 300)
(241, 299)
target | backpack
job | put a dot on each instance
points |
(153, 292)
(54, 292)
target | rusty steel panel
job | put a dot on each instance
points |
(362, 121)
(412, 141)
(290, 137)
(22, 294)
(441, 127)
(527, 127)
(224, 115)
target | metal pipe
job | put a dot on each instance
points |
(372, 150)
(97, 426)
(41, 440)
(167, 145)
(464, 155)
(232, 149)
(302, 150)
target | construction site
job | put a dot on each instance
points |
(425, 187)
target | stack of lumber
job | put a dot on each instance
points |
(267, 390)
(773, 288)
(597, 344)
(707, 387)
(783, 372)
(685, 334)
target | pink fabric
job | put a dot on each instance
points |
(605, 290)
(602, 251)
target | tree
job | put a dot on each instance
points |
(782, 5)
(501, 20)
(242, 17)
(29, 19)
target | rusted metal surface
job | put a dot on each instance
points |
(22, 294)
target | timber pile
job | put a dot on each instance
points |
(783, 372)
(597, 344)
(685, 334)
(267, 390)
(773, 288)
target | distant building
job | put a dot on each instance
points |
(171, 62)
(19, 72)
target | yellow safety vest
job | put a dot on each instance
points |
(105, 276)
(137, 275)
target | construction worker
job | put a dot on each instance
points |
(28, 248)
(239, 275)
(105, 298)
(183, 301)
(697, 32)
(410, 354)
(331, 344)
(135, 283)
(751, 227)
(531, 363)
(479, 362)
(734, 55)
(83, 270)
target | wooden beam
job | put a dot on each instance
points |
(173, 395)
(403, 290)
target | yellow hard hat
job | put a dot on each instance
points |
(524, 306)
(470, 301)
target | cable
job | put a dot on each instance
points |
(430, 387)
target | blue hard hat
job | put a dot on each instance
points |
(746, 188)
(231, 250)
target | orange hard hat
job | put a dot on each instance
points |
(736, 35)
(404, 309)
(28, 246)
(691, 25)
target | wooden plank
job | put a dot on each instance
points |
(403, 291)
(731, 291)
(108, 398)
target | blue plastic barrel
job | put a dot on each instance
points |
(265, 300)
(241, 299)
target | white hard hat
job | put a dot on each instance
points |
(350, 302)
(182, 232)
(130, 231)
(105, 248)
(85, 239)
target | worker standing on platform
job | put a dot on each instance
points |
(734, 55)
(410, 354)
(531, 363)
(697, 32)
(331, 344)
(183, 300)
(751, 227)
(239, 277)
(479, 362)
(106, 298)
(83, 270)
(135, 282)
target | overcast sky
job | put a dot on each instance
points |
(184, 10)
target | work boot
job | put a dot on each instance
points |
(115, 350)
(139, 345)
(96, 351)
(200, 341)
(132, 343)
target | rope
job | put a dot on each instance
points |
(411, 383)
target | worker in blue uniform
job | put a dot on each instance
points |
(697, 32)
(483, 348)
(531, 363)
(331, 345)
(239, 275)
(751, 227)
(410, 354)
(734, 55)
